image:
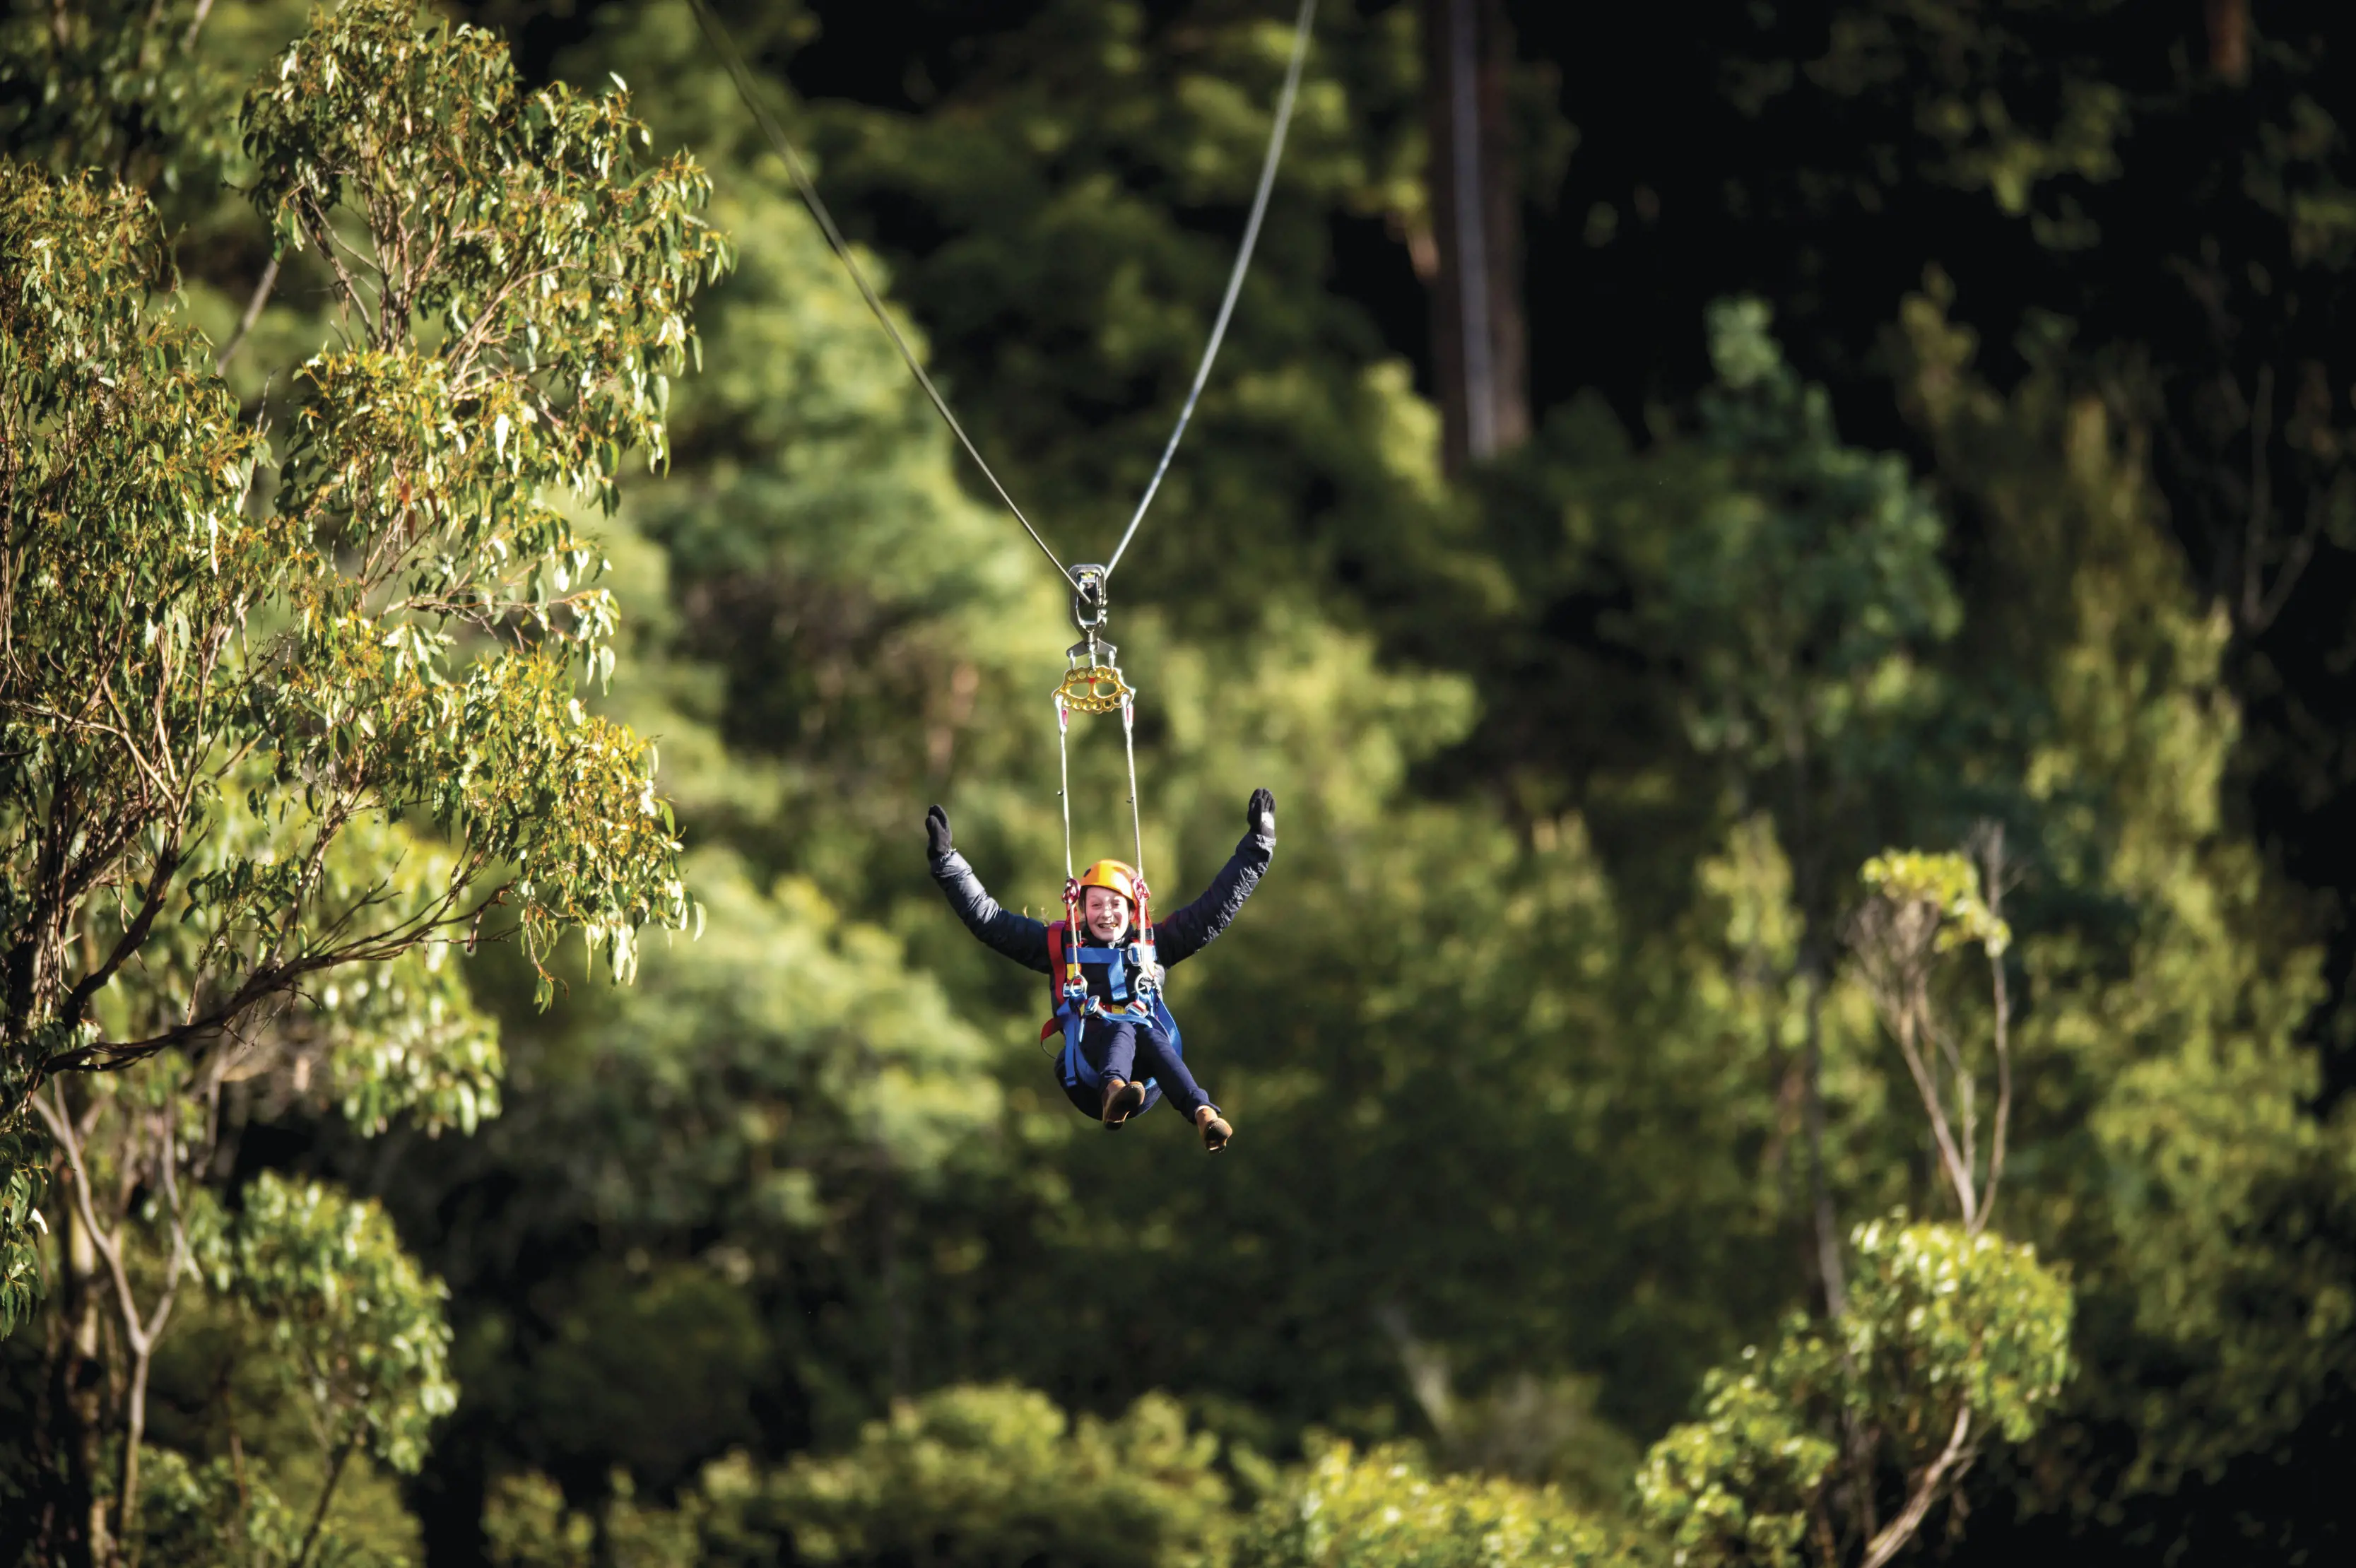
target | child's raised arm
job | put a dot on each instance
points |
(1019, 937)
(1190, 930)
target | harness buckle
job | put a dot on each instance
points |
(1147, 971)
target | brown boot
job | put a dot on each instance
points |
(1215, 1129)
(1122, 1100)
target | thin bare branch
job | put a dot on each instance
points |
(2255, 527)
(327, 1494)
(1893, 1536)
(322, 239)
(108, 1244)
(1966, 1100)
(2294, 566)
(196, 24)
(1995, 874)
(1959, 1175)
(253, 304)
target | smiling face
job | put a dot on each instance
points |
(1104, 911)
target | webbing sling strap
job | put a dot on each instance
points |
(1072, 1013)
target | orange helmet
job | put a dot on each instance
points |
(1117, 875)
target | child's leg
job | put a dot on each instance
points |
(1157, 1061)
(1108, 1050)
(1114, 1049)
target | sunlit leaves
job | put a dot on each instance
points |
(337, 636)
(1949, 1340)
(997, 1477)
(1946, 888)
(1738, 1485)
(1938, 1320)
(525, 232)
(1384, 1509)
(208, 1514)
(352, 1325)
(22, 1185)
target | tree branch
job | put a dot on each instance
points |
(109, 1246)
(134, 933)
(323, 236)
(327, 1494)
(1992, 863)
(1899, 1531)
(253, 304)
(2294, 566)
(378, 947)
(1958, 1176)
(196, 24)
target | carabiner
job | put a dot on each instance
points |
(1089, 605)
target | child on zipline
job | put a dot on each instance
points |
(1122, 1051)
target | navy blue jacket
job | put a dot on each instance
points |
(1176, 937)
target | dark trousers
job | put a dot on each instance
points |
(1135, 1051)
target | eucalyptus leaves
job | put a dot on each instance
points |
(286, 716)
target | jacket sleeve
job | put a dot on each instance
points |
(1017, 936)
(1190, 930)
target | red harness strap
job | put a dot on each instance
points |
(1056, 948)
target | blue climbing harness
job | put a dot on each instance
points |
(1074, 1004)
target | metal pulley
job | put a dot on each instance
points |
(1092, 680)
(1092, 684)
(1089, 604)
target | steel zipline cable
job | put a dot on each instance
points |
(716, 33)
(1300, 30)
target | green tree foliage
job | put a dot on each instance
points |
(1950, 1341)
(20, 1278)
(1000, 1475)
(1383, 1508)
(120, 88)
(286, 723)
(2170, 1007)
(992, 1474)
(1947, 1339)
(347, 1318)
(339, 1320)
(528, 1525)
(1805, 590)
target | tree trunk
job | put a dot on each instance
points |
(2229, 39)
(134, 1431)
(1822, 1225)
(78, 1400)
(1480, 348)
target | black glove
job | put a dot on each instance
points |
(1260, 815)
(937, 832)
